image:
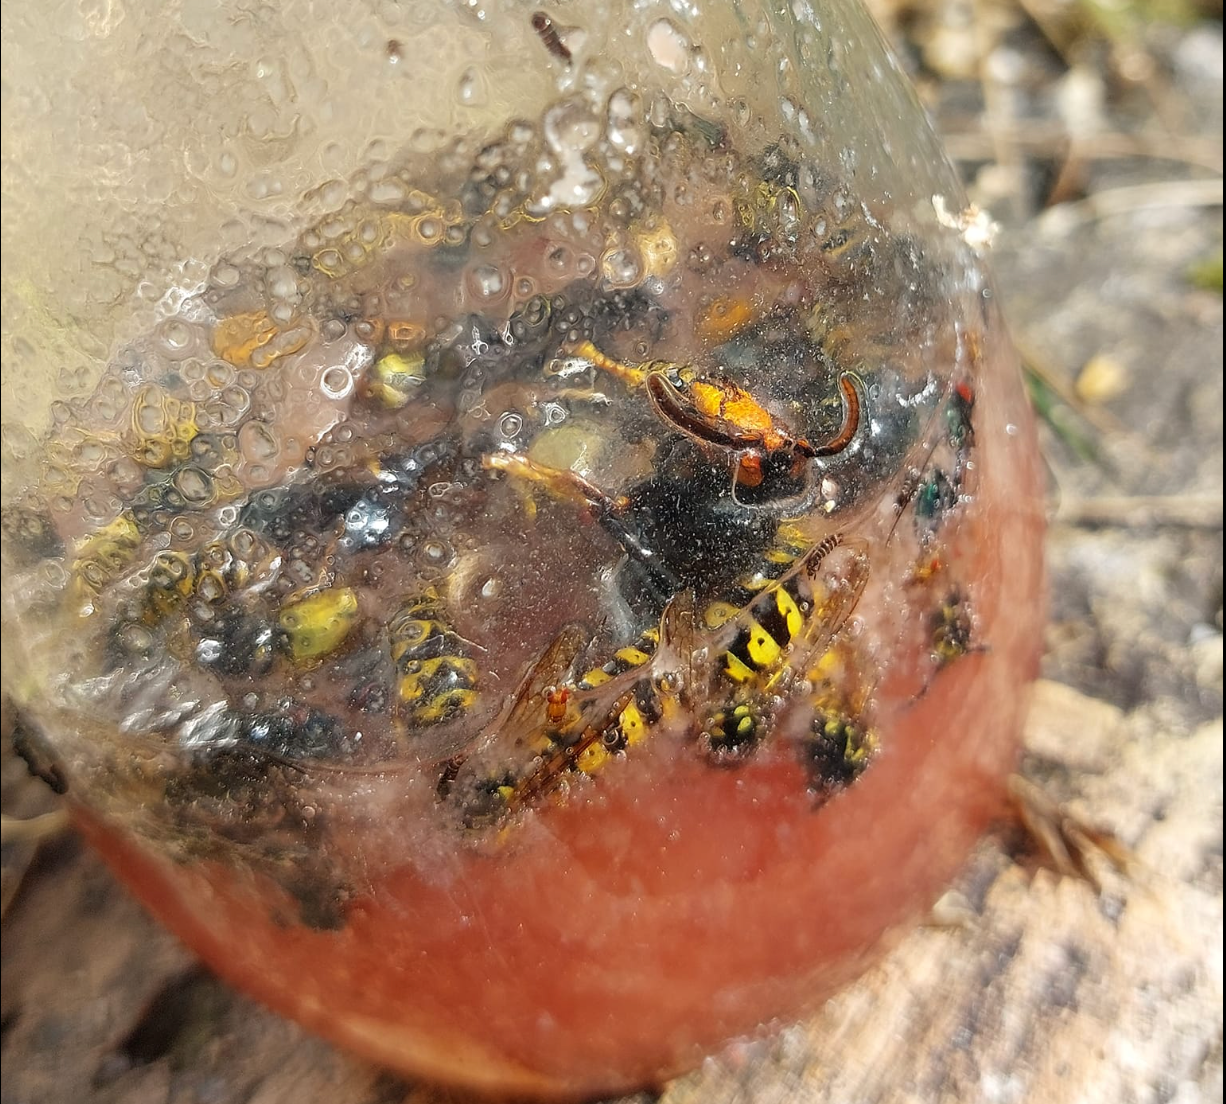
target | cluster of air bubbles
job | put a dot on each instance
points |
(436, 553)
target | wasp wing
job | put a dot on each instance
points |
(526, 713)
(832, 576)
(825, 583)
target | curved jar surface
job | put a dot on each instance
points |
(521, 528)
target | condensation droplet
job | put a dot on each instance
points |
(283, 283)
(471, 90)
(436, 553)
(336, 382)
(487, 282)
(669, 46)
(209, 651)
(176, 336)
(625, 121)
(620, 268)
(571, 128)
(258, 442)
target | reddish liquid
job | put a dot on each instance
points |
(619, 940)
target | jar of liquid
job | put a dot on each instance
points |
(521, 528)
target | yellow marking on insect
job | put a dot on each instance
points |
(443, 706)
(763, 648)
(394, 379)
(724, 401)
(634, 725)
(237, 337)
(415, 685)
(779, 679)
(634, 729)
(724, 318)
(859, 745)
(318, 624)
(633, 657)
(592, 758)
(708, 399)
(737, 669)
(787, 606)
(719, 613)
(828, 666)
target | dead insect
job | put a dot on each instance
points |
(836, 753)
(736, 668)
(436, 676)
(543, 25)
(952, 630)
(716, 411)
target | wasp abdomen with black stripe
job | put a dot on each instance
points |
(436, 675)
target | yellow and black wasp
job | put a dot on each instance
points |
(716, 679)
(714, 410)
(436, 676)
(728, 656)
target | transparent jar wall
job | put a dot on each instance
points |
(217, 142)
(144, 142)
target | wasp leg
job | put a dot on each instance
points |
(851, 420)
(569, 486)
(627, 373)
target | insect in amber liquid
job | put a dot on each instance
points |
(617, 563)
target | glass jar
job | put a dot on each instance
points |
(521, 528)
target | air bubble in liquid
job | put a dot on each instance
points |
(336, 382)
(436, 553)
(487, 282)
(669, 46)
(620, 268)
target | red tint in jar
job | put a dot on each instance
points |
(555, 611)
